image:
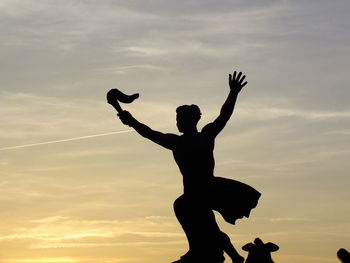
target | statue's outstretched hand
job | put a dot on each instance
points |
(236, 81)
(126, 118)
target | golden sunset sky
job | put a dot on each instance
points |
(77, 186)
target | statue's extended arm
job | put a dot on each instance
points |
(236, 84)
(165, 140)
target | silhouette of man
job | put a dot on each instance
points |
(203, 193)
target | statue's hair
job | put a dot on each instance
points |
(189, 112)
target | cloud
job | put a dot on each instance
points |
(69, 140)
(300, 257)
(130, 69)
(58, 231)
(286, 219)
(43, 260)
(263, 112)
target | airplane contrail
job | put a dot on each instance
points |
(63, 140)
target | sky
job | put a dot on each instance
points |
(77, 186)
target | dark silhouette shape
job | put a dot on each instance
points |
(260, 252)
(343, 255)
(203, 193)
(115, 95)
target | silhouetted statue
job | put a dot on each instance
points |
(343, 255)
(260, 252)
(203, 193)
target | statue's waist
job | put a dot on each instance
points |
(196, 185)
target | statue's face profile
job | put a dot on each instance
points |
(184, 124)
(187, 118)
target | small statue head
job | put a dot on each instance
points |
(187, 117)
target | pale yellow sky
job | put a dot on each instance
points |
(87, 198)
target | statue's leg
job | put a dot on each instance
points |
(185, 217)
(202, 231)
(230, 249)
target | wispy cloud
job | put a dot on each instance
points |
(64, 140)
(43, 260)
(264, 112)
(58, 231)
(304, 258)
(286, 219)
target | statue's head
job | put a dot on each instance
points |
(187, 117)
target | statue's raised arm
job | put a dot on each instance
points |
(236, 83)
